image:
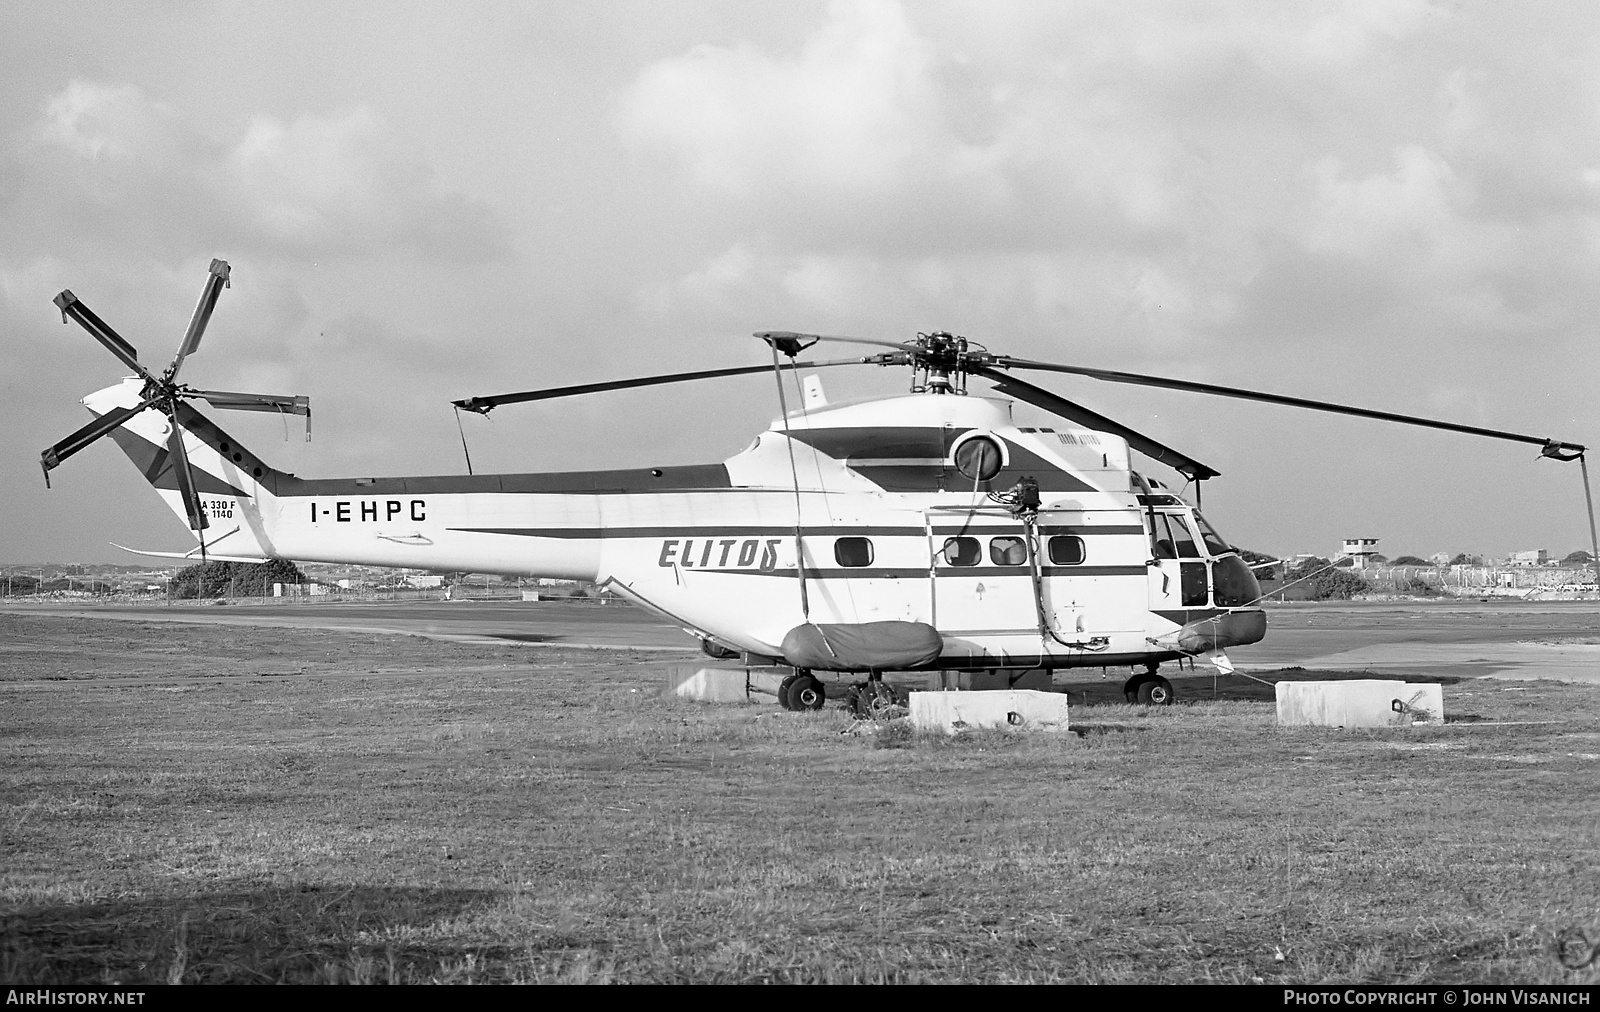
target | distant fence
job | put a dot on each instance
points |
(1526, 582)
(300, 594)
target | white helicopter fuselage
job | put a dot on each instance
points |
(842, 515)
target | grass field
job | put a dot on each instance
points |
(248, 805)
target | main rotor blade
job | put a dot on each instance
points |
(1550, 447)
(790, 335)
(483, 405)
(180, 470)
(71, 306)
(52, 458)
(202, 313)
(1040, 397)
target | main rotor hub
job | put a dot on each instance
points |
(940, 362)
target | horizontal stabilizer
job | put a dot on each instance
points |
(191, 555)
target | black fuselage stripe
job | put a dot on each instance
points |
(613, 533)
(908, 573)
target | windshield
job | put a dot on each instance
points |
(1170, 538)
(1214, 543)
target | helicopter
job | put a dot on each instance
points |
(923, 532)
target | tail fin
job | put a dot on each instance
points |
(236, 487)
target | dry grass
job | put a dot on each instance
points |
(543, 816)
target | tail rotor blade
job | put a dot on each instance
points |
(284, 404)
(180, 470)
(53, 457)
(70, 306)
(202, 313)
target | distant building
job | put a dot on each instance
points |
(1361, 551)
(1537, 558)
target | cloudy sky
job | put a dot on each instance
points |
(1394, 204)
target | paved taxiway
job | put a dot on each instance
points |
(567, 624)
(1509, 639)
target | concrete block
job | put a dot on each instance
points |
(708, 685)
(1019, 709)
(1367, 702)
(765, 681)
(723, 685)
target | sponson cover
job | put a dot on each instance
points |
(1234, 628)
(864, 646)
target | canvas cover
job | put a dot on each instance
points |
(1230, 629)
(862, 646)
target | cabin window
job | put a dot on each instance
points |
(1008, 551)
(979, 458)
(962, 551)
(1066, 550)
(853, 552)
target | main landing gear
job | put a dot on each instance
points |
(1148, 688)
(873, 698)
(802, 691)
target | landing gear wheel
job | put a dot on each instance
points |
(1156, 692)
(806, 693)
(783, 690)
(872, 701)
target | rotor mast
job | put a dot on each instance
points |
(939, 364)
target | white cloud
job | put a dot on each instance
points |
(1412, 206)
(107, 164)
(847, 113)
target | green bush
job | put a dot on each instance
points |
(1336, 584)
(1330, 584)
(241, 579)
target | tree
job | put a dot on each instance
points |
(1255, 557)
(1326, 581)
(1336, 584)
(23, 584)
(243, 579)
(1265, 567)
(1306, 568)
(1463, 559)
(1578, 558)
(1411, 560)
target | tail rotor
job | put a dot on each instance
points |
(163, 393)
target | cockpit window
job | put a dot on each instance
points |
(1170, 538)
(1214, 543)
